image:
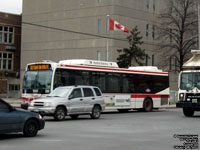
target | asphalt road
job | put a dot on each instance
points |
(113, 131)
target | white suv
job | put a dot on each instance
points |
(72, 101)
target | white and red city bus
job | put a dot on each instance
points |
(123, 89)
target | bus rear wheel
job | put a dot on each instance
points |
(188, 112)
(148, 105)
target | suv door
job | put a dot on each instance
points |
(75, 103)
(89, 99)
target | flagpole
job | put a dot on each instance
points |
(107, 47)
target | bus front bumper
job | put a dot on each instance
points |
(188, 105)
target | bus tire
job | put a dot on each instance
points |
(147, 105)
(188, 112)
(60, 113)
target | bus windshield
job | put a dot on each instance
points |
(190, 80)
(37, 79)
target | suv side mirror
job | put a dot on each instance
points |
(71, 97)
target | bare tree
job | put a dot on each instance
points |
(178, 30)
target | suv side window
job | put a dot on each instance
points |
(88, 92)
(76, 93)
(97, 91)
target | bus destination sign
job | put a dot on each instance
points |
(39, 67)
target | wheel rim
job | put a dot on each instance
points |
(148, 105)
(96, 112)
(32, 128)
(60, 114)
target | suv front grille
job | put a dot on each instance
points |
(39, 104)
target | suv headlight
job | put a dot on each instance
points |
(47, 104)
(32, 104)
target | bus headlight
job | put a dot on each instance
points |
(47, 104)
(181, 96)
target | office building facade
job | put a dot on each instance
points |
(78, 29)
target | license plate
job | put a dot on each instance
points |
(194, 100)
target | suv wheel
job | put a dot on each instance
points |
(30, 128)
(59, 113)
(96, 112)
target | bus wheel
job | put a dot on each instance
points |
(188, 112)
(59, 113)
(148, 105)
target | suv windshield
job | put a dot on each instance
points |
(59, 92)
(37, 79)
(190, 80)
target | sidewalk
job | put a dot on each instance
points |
(16, 102)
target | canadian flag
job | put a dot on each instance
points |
(114, 25)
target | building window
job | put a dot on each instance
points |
(6, 61)
(98, 55)
(99, 26)
(173, 63)
(108, 25)
(154, 5)
(147, 4)
(153, 32)
(147, 31)
(146, 63)
(153, 60)
(6, 34)
(14, 87)
(170, 36)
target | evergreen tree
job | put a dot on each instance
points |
(134, 52)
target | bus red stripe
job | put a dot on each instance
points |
(110, 69)
(150, 95)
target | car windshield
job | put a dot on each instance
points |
(37, 79)
(190, 80)
(59, 92)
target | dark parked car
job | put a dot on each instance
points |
(13, 120)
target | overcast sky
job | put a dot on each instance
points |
(11, 6)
